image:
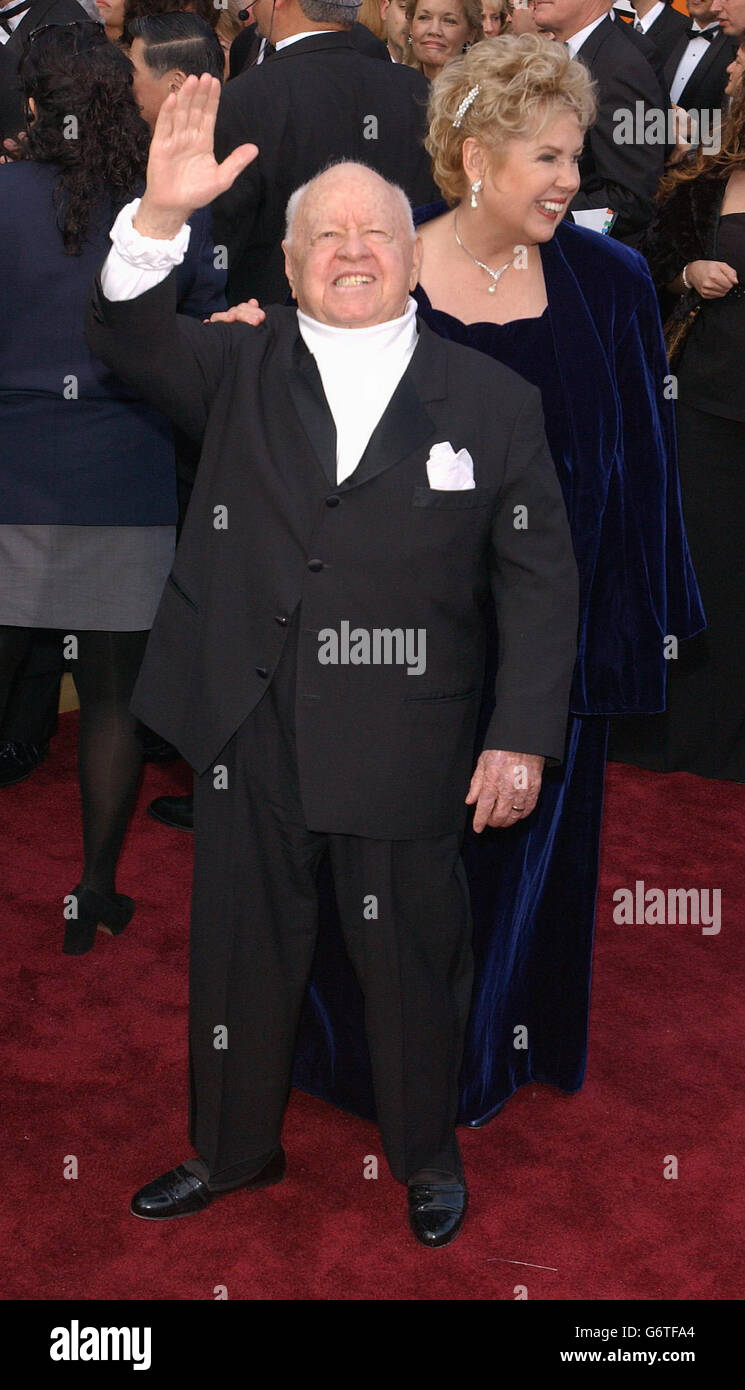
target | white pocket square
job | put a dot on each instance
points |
(448, 471)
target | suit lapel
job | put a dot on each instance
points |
(309, 399)
(405, 424)
(713, 51)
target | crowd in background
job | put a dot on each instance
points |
(91, 501)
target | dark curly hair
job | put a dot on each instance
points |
(729, 157)
(86, 121)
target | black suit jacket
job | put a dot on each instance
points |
(620, 176)
(645, 45)
(245, 49)
(667, 31)
(12, 114)
(380, 752)
(704, 90)
(313, 102)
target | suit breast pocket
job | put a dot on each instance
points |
(452, 501)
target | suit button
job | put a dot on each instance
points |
(279, 619)
(333, 501)
(315, 565)
(262, 671)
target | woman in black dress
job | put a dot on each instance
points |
(696, 250)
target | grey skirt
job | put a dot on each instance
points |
(99, 578)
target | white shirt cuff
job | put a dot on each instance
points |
(137, 263)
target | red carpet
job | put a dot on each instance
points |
(568, 1193)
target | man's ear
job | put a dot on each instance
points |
(416, 264)
(177, 80)
(289, 266)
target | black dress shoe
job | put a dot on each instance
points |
(177, 811)
(437, 1211)
(19, 760)
(95, 913)
(181, 1193)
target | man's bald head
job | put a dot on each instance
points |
(348, 175)
(351, 251)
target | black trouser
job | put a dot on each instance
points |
(405, 915)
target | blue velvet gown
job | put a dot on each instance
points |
(597, 356)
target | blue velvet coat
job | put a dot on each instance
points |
(611, 428)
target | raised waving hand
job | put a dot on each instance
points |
(182, 172)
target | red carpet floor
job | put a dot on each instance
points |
(568, 1193)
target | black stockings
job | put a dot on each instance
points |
(110, 748)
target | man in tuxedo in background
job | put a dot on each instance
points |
(251, 47)
(358, 474)
(731, 16)
(623, 176)
(315, 99)
(659, 21)
(696, 69)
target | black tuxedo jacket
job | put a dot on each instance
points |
(381, 752)
(704, 90)
(12, 114)
(245, 49)
(620, 176)
(667, 31)
(318, 100)
(645, 45)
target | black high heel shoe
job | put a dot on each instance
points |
(95, 913)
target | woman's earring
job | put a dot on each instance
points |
(476, 188)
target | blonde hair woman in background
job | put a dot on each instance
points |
(439, 30)
(495, 17)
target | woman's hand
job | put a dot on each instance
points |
(712, 279)
(240, 313)
(182, 172)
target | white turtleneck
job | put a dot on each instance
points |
(360, 369)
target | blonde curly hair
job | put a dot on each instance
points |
(523, 82)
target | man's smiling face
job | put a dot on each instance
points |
(351, 259)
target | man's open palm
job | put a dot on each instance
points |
(182, 173)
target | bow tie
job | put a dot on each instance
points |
(707, 34)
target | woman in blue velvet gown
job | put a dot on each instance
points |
(576, 314)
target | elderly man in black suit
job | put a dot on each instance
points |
(619, 170)
(316, 98)
(365, 491)
(696, 69)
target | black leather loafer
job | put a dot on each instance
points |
(181, 1193)
(437, 1211)
(176, 811)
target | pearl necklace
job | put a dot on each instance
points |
(496, 275)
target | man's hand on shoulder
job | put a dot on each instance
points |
(504, 787)
(249, 312)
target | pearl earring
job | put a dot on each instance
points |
(476, 188)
